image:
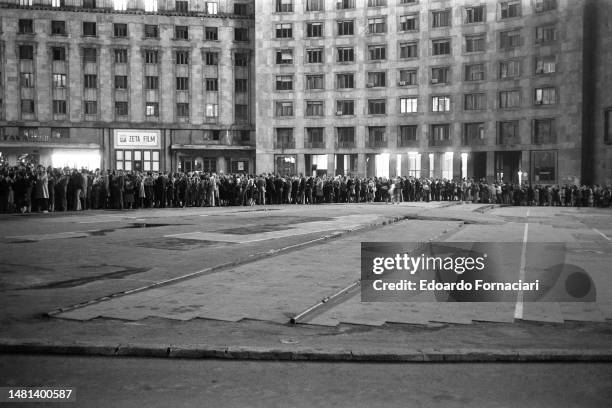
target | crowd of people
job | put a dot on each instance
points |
(30, 188)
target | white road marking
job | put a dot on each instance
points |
(602, 234)
(518, 309)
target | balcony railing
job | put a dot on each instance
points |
(377, 143)
(314, 144)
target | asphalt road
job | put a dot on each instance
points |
(151, 383)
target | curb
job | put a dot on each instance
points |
(263, 353)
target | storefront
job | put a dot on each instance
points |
(137, 150)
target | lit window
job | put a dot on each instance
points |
(150, 6)
(120, 5)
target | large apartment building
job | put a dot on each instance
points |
(464, 88)
(128, 84)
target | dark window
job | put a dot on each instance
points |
(284, 108)
(91, 107)
(409, 22)
(245, 135)
(151, 31)
(120, 30)
(151, 56)
(377, 52)
(241, 59)
(545, 5)
(440, 135)
(441, 18)
(608, 126)
(475, 72)
(546, 34)
(242, 116)
(182, 83)
(241, 34)
(121, 108)
(509, 69)
(475, 14)
(121, 82)
(408, 77)
(345, 108)
(314, 56)
(377, 3)
(27, 106)
(151, 82)
(212, 33)
(346, 54)
(90, 54)
(212, 84)
(182, 57)
(90, 81)
(26, 26)
(121, 56)
(315, 5)
(476, 101)
(345, 4)
(475, 43)
(212, 58)
(545, 96)
(344, 81)
(284, 6)
(377, 136)
(58, 53)
(284, 138)
(440, 47)
(89, 29)
(315, 81)
(407, 135)
(377, 25)
(508, 133)
(58, 27)
(181, 32)
(510, 9)
(284, 30)
(181, 6)
(377, 106)
(240, 9)
(473, 134)
(182, 109)
(315, 138)
(346, 136)
(315, 108)
(89, 4)
(284, 82)
(409, 50)
(314, 30)
(346, 27)
(509, 99)
(241, 85)
(60, 133)
(26, 52)
(544, 131)
(510, 39)
(376, 79)
(440, 75)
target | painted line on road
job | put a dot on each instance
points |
(602, 234)
(518, 310)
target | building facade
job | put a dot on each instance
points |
(128, 84)
(464, 88)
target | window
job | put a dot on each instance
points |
(284, 30)
(211, 33)
(440, 134)
(212, 7)
(475, 101)
(241, 34)
(345, 81)
(509, 99)
(475, 43)
(545, 96)
(408, 77)
(58, 27)
(182, 83)
(89, 4)
(409, 50)
(510, 9)
(544, 131)
(475, 72)
(314, 30)
(284, 138)
(59, 80)
(90, 54)
(440, 104)
(377, 52)
(151, 31)
(241, 112)
(182, 110)
(377, 106)
(508, 132)
(121, 56)
(409, 105)
(212, 58)
(284, 83)
(509, 69)
(90, 81)
(60, 133)
(473, 134)
(377, 136)
(151, 57)
(241, 59)
(120, 30)
(26, 80)
(27, 106)
(608, 126)
(150, 6)
(58, 53)
(346, 54)
(181, 32)
(345, 108)
(346, 27)
(408, 1)
(314, 138)
(120, 82)
(315, 5)
(181, 6)
(409, 22)
(212, 110)
(345, 4)
(377, 3)
(91, 107)
(89, 29)
(546, 34)
(151, 82)
(510, 39)
(241, 85)
(315, 82)
(314, 56)
(440, 47)
(26, 26)
(212, 85)
(120, 5)
(407, 135)
(26, 52)
(152, 109)
(284, 6)
(545, 5)
(440, 75)
(546, 65)
(346, 136)
(283, 108)
(57, 3)
(314, 108)
(284, 56)
(181, 57)
(474, 14)
(544, 166)
(441, 18)
(376, 25)
(376, 79)
(121, 108)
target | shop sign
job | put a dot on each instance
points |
(137, 138)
